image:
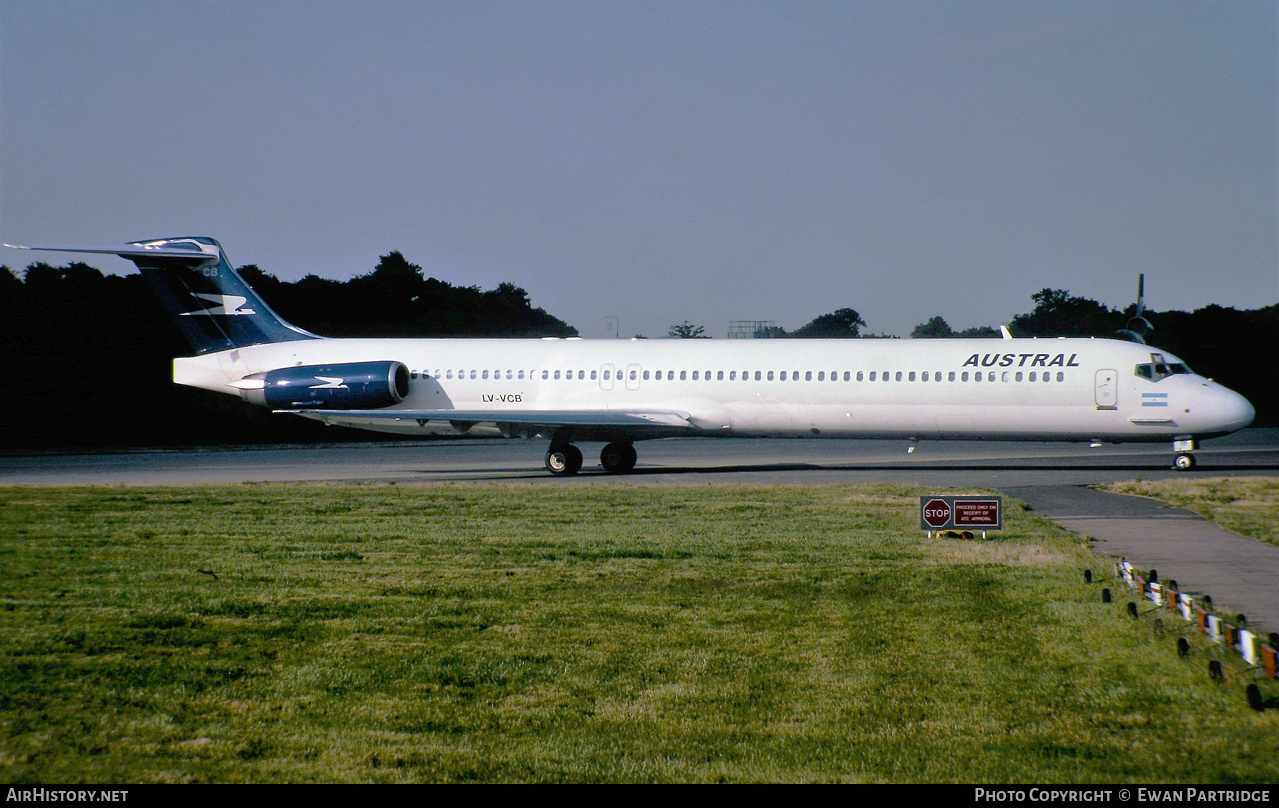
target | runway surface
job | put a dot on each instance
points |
(676, 461)
(1241, 574)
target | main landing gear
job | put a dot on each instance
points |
(564, 459)
(618, 458)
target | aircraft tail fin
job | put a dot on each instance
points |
(212, 304)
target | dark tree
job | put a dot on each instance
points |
(935, 327)
(95, 352)
(688, 331)
(1059, 314)
(842, 324)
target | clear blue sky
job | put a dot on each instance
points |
(667, 161)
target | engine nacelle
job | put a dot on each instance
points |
(346, 386)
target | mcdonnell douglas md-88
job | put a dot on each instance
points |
(619, 392)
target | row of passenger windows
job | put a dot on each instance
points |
(757, 375)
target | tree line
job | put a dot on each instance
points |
(87, 356)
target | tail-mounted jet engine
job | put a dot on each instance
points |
(347, 386)
(1138, 326)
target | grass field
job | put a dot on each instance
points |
(387, 633)
(1247, 505)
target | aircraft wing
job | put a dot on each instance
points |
(547, 418)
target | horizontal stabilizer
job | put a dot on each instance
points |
(213, 306)
(182, 249)
(551, 418)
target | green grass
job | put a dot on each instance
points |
(576, 633)
(1247, 505)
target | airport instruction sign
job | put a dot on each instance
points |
(947, 512)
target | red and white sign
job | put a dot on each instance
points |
(976, 513)
(943, 512)
(936, 513)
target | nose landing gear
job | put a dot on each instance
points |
(1185, 461)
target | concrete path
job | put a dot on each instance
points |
(1241, 574)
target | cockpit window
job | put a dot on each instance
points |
(1158, 368)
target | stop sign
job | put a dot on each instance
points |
(936, 513)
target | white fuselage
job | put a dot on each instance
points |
(1011, 389)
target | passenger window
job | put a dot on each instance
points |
(719, 376)
(808, 376)
(632, 375)
(484, 375)
(646, 375)
(770, 375)
(521, 375)
(1061, 377)
(593, 375)
(732, 375)
(964, 377)
(757, 375)
(951, 376)
(683, 375)
(873, 375)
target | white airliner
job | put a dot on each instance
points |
(618, 392)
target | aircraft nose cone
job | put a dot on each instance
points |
(1241, 412)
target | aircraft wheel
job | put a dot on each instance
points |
(618, 458)
(564, 460)
(1184, 462)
